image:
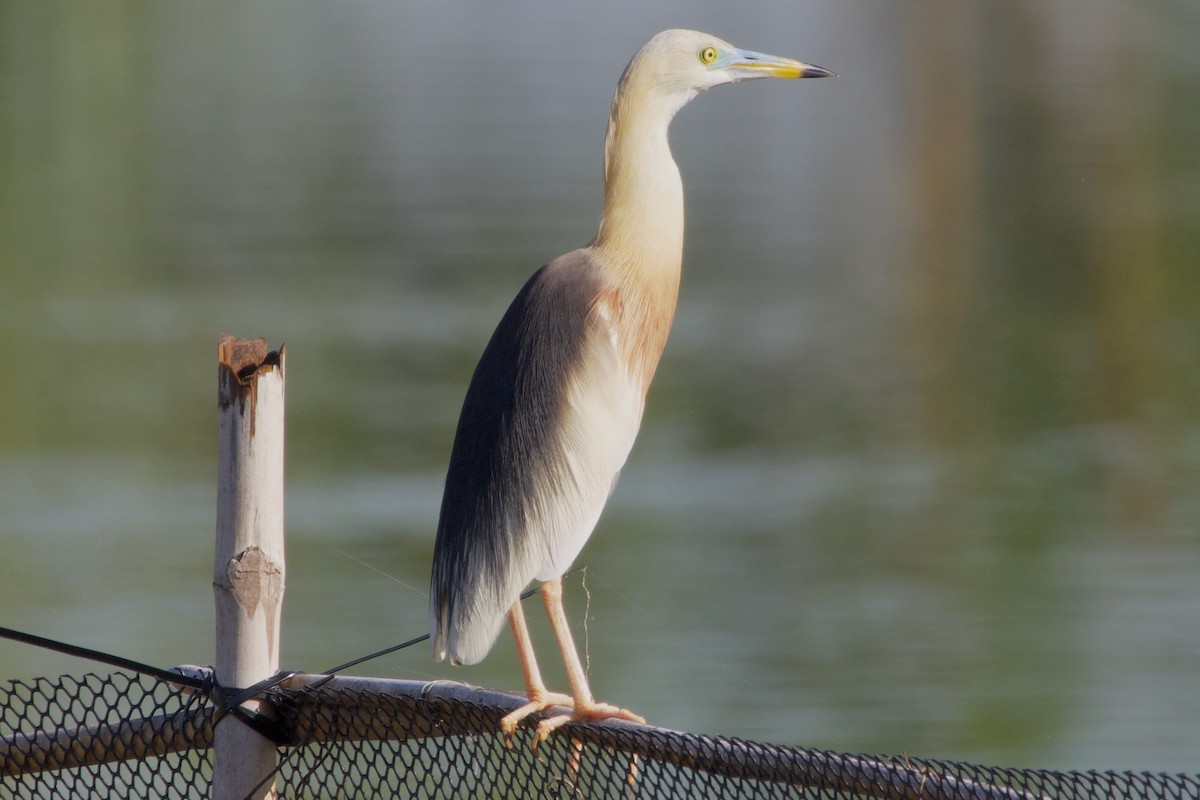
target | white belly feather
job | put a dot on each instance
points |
(604, 412)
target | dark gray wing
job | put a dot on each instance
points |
(507, 456)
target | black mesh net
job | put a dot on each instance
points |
(119, 735)
(123, 735)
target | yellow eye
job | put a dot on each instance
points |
(708, 55)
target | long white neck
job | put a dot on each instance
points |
(643, 193)
(641, 233)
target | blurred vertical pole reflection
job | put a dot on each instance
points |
(73, 156)
(1134, 397)
(944, 202)
(72, 141)
(1039, 285)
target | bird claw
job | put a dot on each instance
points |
(593, 713)
(537, 702)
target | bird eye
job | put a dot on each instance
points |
(708, 55)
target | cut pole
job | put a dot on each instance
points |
(248, 569)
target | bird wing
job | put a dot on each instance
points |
(548, 420)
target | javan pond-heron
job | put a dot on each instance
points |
(556, 400)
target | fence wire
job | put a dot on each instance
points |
(124, 735)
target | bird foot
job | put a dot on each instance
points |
(538, 701)
(592, 713)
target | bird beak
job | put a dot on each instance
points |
(747, 64)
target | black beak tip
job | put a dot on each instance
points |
(818, 72)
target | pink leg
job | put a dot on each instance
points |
(586, 708)
(535, 690)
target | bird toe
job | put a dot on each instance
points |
(537, 703)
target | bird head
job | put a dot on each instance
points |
(662, 77)
(683, 62)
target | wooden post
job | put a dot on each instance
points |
(248, 570)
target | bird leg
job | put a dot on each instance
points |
(585, 707)
(535, 690)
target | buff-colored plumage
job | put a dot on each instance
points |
(556, 401)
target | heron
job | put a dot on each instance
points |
(555, 403)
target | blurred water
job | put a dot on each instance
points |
(919, 469)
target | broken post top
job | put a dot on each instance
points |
(244, 357)
(240, 364)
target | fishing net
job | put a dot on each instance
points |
(128, 735)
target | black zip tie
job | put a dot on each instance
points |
(208, 686)
(331, 672)
(262, 724)
(167, 676)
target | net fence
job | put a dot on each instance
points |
(124, 735)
